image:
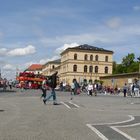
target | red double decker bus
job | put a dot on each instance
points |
(30, 80)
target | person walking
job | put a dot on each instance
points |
(125, 89)
(52, 82)
(76, 87)
(72, 89)
(10, 83)
(90, 88)
(44, 89)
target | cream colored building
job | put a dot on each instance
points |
(82, 62)
(85, 62)
(50, 67)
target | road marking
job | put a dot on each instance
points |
(74, 104)
(122, 133)
(70, 105)
(65, 105)
(105, 130)
(114, 123)
(97, 132)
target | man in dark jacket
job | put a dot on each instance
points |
(52, 82)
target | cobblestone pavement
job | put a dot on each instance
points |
(23, 116)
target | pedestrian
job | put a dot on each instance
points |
(136, 89)
(72, 89)
(76, 87)
(132, 90)
(4, 84)
(10, 83)
(125, 89)
(44, 89)
(22, 85)
(52, 82)
(90, 88)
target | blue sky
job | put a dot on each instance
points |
(36, 31)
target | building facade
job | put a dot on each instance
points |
(85, 62)
(50, 67)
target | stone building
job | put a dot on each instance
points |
(118, 80)
(82, 62)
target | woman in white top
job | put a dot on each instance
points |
(90, 88)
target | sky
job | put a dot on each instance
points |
(36, 31)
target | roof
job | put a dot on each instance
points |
(34, 67)
(89, 48)
(58, 61)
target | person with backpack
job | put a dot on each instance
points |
(52, 83)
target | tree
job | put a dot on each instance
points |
(128, 65)
(128, 60)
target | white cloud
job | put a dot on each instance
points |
(45, 60)
(65, 46)
(114, 22)
(8, 67)
(136, 8)
(22, 51)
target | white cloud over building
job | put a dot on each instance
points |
(22, 51)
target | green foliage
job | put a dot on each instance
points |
(128, 65)
(128, 60)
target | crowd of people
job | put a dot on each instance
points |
(75, 88)
(132, 90)
(4, 84)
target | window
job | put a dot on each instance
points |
(75, 56)
(86, 57)
(96, 69)
(53, 66)
(75, 68)
(85, 68)
(106, 69)
(90, 69)
(96, 58)
(91, 57)
(106, 58)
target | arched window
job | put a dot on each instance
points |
(53, 66)
(106, 58)
(96, 58)
(75, 56)
(96, 69)
(91, 57)
(106, 69)
(90, 69)
(75, 68)
(86, 57)
(85, 68)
